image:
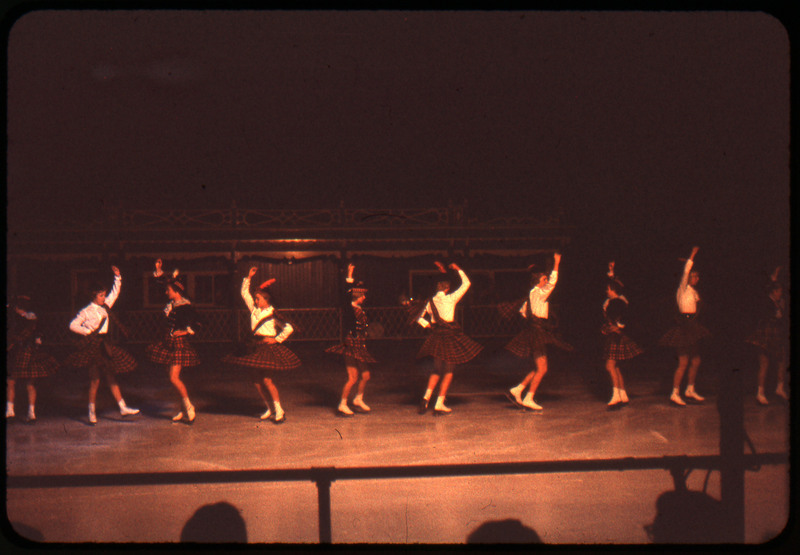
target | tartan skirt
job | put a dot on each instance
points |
(449, 344)
(532, 342)
(353, 347)
(770, 337)
(95, 351)
(270, 356)
(29, 362)
(173, 350)
(686, 334)
(618, 346)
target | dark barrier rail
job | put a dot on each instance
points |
(324, 476)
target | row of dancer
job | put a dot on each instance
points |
(265, 355)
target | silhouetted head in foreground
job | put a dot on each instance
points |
(509, 530)
(217, 523)
(688, 517)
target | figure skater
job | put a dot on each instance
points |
(267, 353)
(771, 337)
(686, 335)
(617, 345)
(25, 359)
(96, 352)
(174, 350)
(353, 347)
(447, 343)
(532, 342)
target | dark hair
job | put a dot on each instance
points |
(97, 287)
(177, 286)
(264, 293)
(536, 277)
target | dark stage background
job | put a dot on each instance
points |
(650, 131)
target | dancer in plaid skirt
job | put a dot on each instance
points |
(532, 342)
(96, 352)
(353, 347)
(174, 350)
(447, 343)
(771, 337)
(617, 345)
(686, 335)
(24, 358)
(267, 352)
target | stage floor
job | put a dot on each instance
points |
(573, 508)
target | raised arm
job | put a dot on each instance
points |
(465, 283)
(551, 281)
(111, 298)
(349, 280)
(686, 269)
(248, 299)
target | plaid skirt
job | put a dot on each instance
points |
(29, 362)
(450, 345)
(173, 350)
(354, 347)
(686, 334)
(270, 356)
(532, 342)
(96, 351)
(618, 346)
(772, 338)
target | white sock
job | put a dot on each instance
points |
(528, 398)
(9, 406)
(31, 410)
(278, 408)
(186, 402)
(439, 401)
(518, 389)
(122, 404)
(428, 393)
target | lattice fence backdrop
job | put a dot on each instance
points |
(311, 324)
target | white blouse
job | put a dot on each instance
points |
(90, 317)
(267, 329)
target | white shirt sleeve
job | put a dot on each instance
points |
(111, 298)
(285, 333)
(76, 325)
(458, 293)
(685, 277)
(551, 282)
(248, 299)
